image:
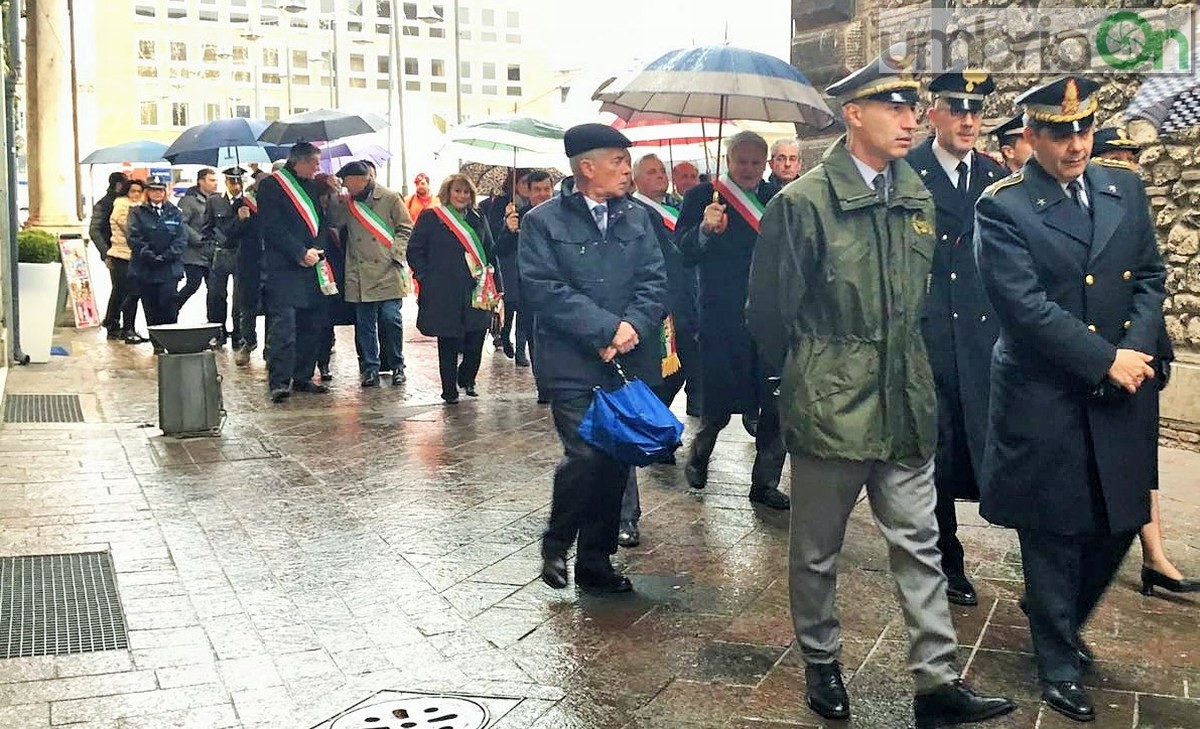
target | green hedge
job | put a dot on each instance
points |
(37, 246)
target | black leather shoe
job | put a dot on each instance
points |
(695, 473)
(554, 572)
(960, 591)
(603, 582)
(507, 347)
(450, 398)
(326, 375)
(135, 338)
(771, 498)
(398, 377)
(824, 691)
(471, 391)
(1153, 578)
(628, 535)
(315, 388)
(522, 360)
(1069, 699)
(956, 703)
(280, 394)
(371, 380)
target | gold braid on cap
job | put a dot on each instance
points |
(897, 84)
(1054, 113)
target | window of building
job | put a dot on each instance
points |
(299, 109)
(489, 71)
(270, 78)
(411, 67)
(383, 8)
(148, 71)
(178, 72)
(487, 37)
(209, 53)
(438, 87)
(271, 57)
(265, 18)
(358, 83)
(514, 90)
(412, 31)
(238, 16)
(297, 22)
(437, 67)
(301, 80)
(271, 113)
(179, 114)
(465, 88)
(514, 72)
(242, 111)
(242, 77)
(212, 74)
(146, 50)
(383, 65)
(327, 6)
(240, 54)
(383, 29)
(178, 51)
(299, 59)
(437, 32)
(353, 26)
(145, 11)
(358, 63)
(513, 38)
(212, 112)
(514, 19)
(464, 35)
(208, 16)
(410, 11)
(148, 113)
(464, 16)
(489, 89)
(412, 85)
(464, 69)
(489, 17)
(177, 13)
(383, 83)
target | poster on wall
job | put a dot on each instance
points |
(73, 250)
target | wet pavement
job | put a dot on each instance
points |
(333, 547)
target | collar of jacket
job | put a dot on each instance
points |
(368, 192)
(1043, 187)
(853, 194)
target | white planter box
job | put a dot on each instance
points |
(38, 289)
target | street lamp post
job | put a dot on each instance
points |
(251, 37)
(431, 17)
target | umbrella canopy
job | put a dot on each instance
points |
(510, 141)
(321, 125)
(493, 179)
(222, 143)
(1170, 103)
(718, 82)
(140, 151)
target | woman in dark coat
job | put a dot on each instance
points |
(438, 258)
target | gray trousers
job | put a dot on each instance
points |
(902, 499)
(631, 502)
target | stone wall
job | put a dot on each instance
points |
(832, 37)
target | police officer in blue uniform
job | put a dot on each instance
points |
(958, 324)
(1067, 256)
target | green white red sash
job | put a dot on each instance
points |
(299, 197)
(670, 215)
(370, 220)
(670, 360)
(745, 203)
(251, 201)
(485, 296)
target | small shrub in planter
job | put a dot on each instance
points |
(37, 246)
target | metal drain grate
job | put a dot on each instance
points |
(59, 603)
(42, 409)
(425, 712)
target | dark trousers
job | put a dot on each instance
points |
(769, 451)
(456, 374)
(524, 327)
(948, 542)
(510, 316)
(122, 301)
(378, 335)
(224, 268)
(293, 337)
(1065, 576)
(247, 299)
(193, 274)
(158, 298)
(588, 485)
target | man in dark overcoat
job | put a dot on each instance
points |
(1067, 256)
(592, 274)
(293, 240)
(958, 324)
(718, 235)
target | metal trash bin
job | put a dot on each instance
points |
(190, 403)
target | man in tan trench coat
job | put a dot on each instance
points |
(377, 279)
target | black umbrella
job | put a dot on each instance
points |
(222, 143)
(321, 125)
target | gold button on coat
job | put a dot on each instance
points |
(1091, 327)
(953, 276)
(1127, 275)
(1127, 324)
(1089, 279)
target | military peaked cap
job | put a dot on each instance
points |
(234, 172)
(1069, 101)
(1011, 128)
(963, 88)
(1112, 139)
(887, 78)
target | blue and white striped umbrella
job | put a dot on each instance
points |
(1171, 103)
(719, 82)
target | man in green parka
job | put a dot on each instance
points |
(836, 291)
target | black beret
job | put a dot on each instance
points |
(586, 137)
(354, 169)
(963, 88)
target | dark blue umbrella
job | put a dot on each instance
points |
(321, 125)
(140, 151)
(223, 143)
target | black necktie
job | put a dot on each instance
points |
(1076, 189)
(157, 211)
(964, 177)
(880, 184)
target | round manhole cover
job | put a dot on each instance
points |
(424, 712)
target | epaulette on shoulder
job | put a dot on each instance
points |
(1013, 179)
(1115, 163)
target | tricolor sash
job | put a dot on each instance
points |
(745, 203)
(370, 220)
(299, 197)
(670, 360)
(485, 295)
(251, 201)
(670, 215)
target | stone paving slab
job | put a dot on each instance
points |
(332, 548)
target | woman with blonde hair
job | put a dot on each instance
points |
(450, 253)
